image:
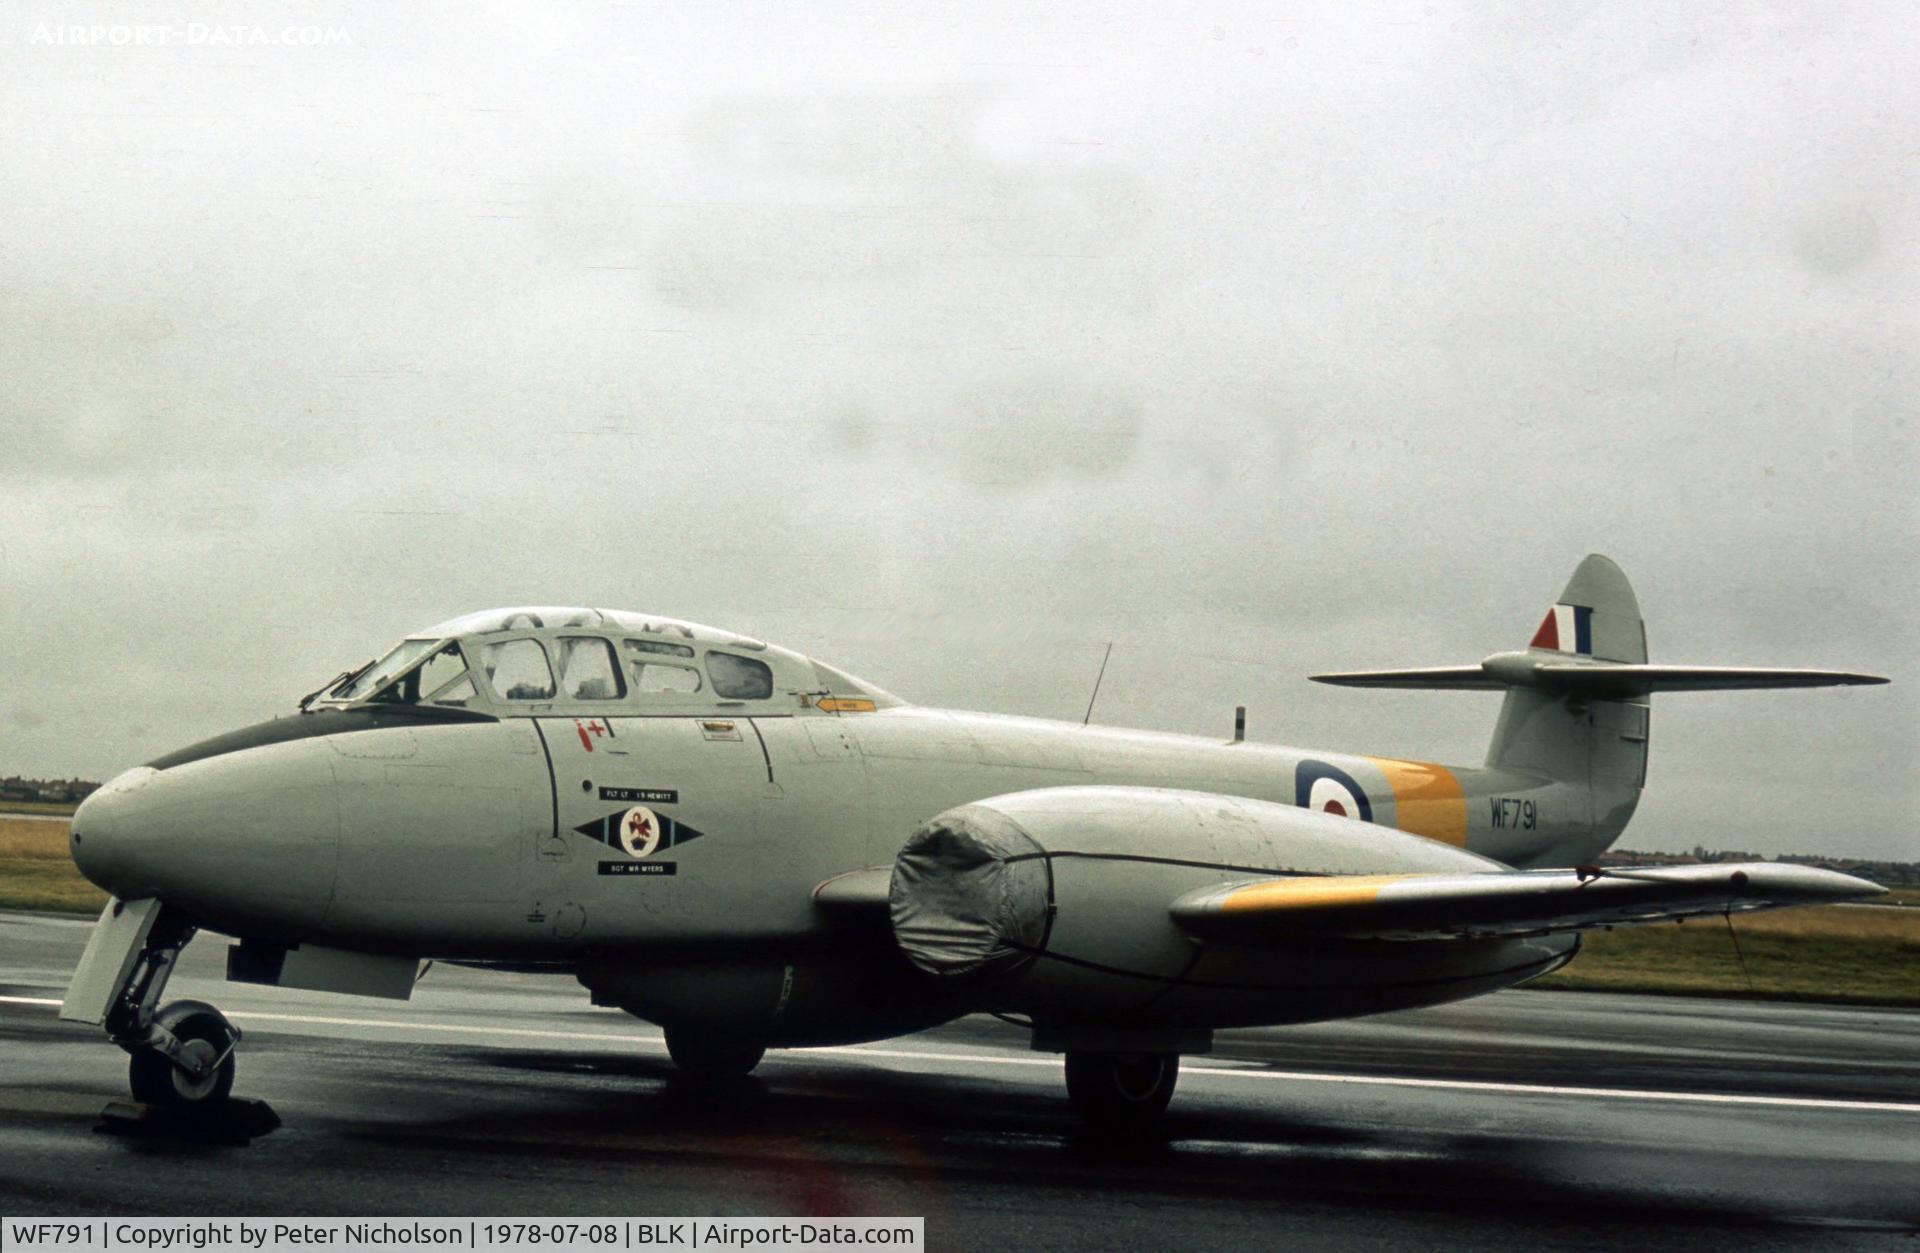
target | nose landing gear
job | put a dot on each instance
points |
(182, 1052)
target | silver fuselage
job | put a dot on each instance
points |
(665, 846)
(460, 839)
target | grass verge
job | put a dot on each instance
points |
(31, 883)
(37, 873)
(1839, 954)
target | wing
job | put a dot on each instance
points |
(1517, 903)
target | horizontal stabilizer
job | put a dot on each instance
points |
(1635, 680)
(1497, 904)
(1435, 678)
(1594, 678)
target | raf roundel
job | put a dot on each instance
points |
(1327, 789)
(639, 831)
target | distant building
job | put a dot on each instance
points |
(50, 791)
(1886, 873)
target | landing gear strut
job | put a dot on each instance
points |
(1122, 1092)
(182, 1052)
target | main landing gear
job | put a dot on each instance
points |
(710, 1057)
(1119, 1080)
(181, 1052)
(1121, 1092)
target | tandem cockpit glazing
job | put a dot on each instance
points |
(531, 659)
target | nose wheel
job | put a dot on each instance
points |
(185, 1061)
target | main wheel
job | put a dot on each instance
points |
(204, 1036)
(1121, 1091)
(710, 1058)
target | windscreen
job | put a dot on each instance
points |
(440, 679)
(376, 676)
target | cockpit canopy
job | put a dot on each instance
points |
(546, 659)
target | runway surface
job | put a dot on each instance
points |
(1521, 1120)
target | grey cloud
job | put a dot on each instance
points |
(881, 188)
(1010, 433)
(952, 353)
(1838, 240)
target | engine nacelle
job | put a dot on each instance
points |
(1054, 903)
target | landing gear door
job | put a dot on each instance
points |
(112, 950)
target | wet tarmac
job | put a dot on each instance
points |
(1521, 1120)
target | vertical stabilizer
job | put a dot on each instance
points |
(1589, 742)
(1596, 616)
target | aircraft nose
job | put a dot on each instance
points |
(239, 839)
(98, 837)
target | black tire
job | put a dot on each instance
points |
(203, 1032)
(1125, 1092)
(709, 1058)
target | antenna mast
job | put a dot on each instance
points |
(1096, 685)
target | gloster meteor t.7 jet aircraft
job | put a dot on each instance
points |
(755, 850)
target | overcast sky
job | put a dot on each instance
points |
(950, 347)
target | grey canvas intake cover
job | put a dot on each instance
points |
(969, 894)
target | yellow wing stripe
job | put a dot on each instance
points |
(1308, 893)
(1427, 799)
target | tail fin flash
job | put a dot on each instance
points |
(1596, 616)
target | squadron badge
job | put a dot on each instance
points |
(638, 831)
